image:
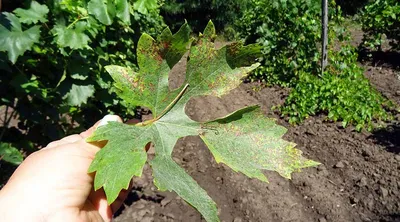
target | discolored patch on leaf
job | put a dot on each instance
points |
(149, 87)
(248, 142)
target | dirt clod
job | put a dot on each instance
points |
(362, 182)
(383, 191)
(340, 164)
(322, 219)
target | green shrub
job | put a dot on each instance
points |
(52, 58)
(342, 93)
(289, 32)
(381, 17)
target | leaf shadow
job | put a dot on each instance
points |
(388, 137)
(380, 58)
(135, 195)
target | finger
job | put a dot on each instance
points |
(63, 141)
(99, 201)
(102, 122)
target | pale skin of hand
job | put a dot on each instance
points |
(53, 184)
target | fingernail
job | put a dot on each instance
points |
(109, 118)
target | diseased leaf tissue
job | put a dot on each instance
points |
(245, 140)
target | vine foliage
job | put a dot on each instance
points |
(52, 59)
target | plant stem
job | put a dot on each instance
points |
(168, 108)
(77, 20)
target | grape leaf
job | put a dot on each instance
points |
(13, 39)
(144, 6)
(103, 10)
(10, 154)
(122, 11)
(79, 94)
(232, 140)
(34, 14)
(74, 38)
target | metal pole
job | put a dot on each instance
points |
(324, 61)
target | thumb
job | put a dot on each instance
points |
(102, 122)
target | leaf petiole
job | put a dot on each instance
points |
(77, 20)
(168, 108)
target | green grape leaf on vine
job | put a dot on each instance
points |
(34, 14)
(13, 39)
(78, 94)
(245, 140)
(144, 6)
(10, 154)
(72, 37)
(106, 10)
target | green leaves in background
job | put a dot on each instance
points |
(122, 11)
(103, 10)
(74, 38)
(379, 18)
(143, 6)
(252, 138)
(34, 14)
(13, 39)
(10, 154)
(106, 10)
(79, 94)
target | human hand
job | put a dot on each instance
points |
(53, 184)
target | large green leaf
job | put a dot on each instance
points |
(10, 154)
(34, 14)
(74, 38)
(122, 11)
(103, 10)
(13, 39)
(144, 6)
(257, 140)
(79, 94)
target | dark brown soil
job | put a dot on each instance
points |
(358, 179)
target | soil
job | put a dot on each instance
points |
(358, 179)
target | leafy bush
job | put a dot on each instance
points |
(52, 58)
(197, 13)
(381, 17)
(289, 32)
(342, 93)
